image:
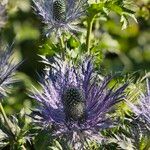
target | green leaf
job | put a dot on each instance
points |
(57, 146)
(130, 15)
(144, 143)
(95, 9)
(124, 22)
(116, 9)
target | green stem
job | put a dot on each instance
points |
(63, 47)
(23, 147)
(7, 121)
(89, 31)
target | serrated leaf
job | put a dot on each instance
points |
(106, 10)
(132, 16)
(116, 9)
(124, 21)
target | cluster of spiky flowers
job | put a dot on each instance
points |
(60, 15)
(142, 110)
(7, 69)
(74, 103)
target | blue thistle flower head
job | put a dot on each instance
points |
(7, 70)
(74, 102)
(142, 109)
(60, 15)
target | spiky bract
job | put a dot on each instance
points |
(60, 15)
(75, 101)
(142, 109)
(7, 70)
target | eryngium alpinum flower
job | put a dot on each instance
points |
(3, 16)
(142, 109)
(7, 70)
(60, 15)
(74, 103)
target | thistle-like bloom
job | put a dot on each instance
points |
(142, 110)
(60, 15)
(3, 15)
(7, 70)
(74, 103)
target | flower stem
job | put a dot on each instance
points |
(62, 47)
(89, 30)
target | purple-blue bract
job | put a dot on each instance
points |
(96, 100)
(7, 70)
(60, 15)
(142, 109)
